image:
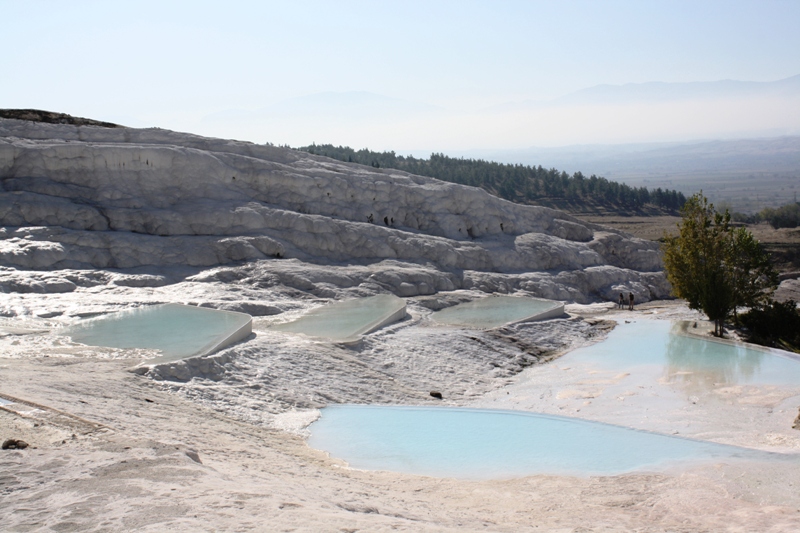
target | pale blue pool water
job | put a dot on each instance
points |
(178, 331)
(494, 311)
(654, 348)
(493, 444)
(346, 320)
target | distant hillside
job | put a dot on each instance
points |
(522, 184)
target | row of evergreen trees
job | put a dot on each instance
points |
(518, 183)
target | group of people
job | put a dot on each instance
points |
(622, 301)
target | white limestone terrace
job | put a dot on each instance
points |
(115, 200)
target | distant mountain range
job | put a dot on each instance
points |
(661, 92)
(364, 103)
(604, 114)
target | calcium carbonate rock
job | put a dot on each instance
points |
(86, 197)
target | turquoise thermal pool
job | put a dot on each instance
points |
(488, 444)
(495, 311)
(178, 331)
(655, 350)
(493, 444)
(346, 321)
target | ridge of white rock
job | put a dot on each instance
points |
(84, 197)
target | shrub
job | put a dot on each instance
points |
(773, 324)
(787, 216)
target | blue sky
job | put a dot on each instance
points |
(183, 65)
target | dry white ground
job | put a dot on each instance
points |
(112, 450)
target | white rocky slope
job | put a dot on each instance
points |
(122, 200)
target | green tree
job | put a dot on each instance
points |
(714, 266)
(752, 276)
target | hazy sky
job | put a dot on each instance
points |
(183, 65)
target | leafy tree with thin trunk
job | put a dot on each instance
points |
(716, 267)
(753, 277)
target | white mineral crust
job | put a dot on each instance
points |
(81, 197)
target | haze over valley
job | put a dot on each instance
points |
(599, 115)
(745, 175)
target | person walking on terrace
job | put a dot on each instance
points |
(630, 301)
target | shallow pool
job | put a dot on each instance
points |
(490, 444)
(178, 331)
(495, 311)
(657, 350)
(345, 321)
